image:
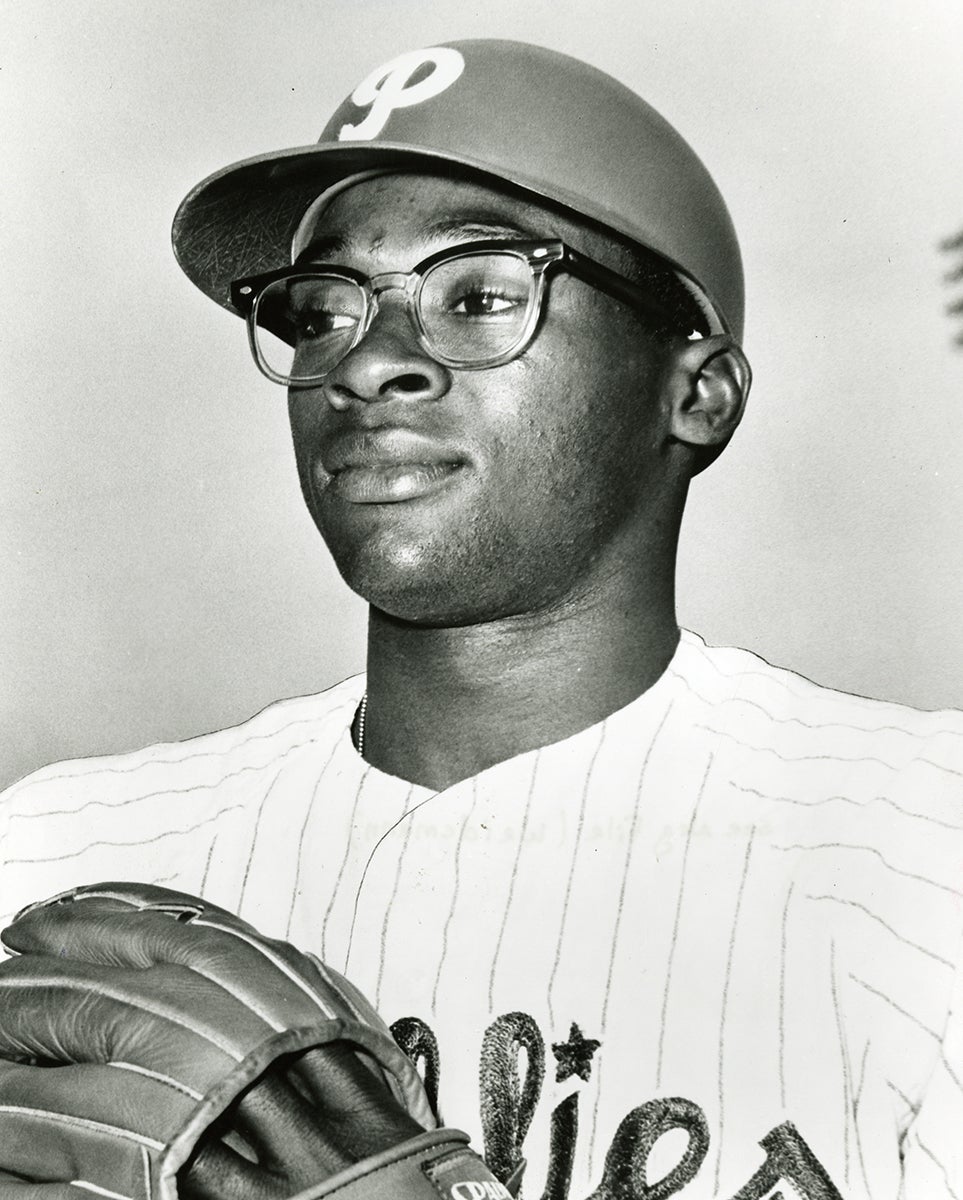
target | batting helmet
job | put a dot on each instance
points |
(542, 121)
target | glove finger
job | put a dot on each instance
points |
(161, 1019)
(124, 894)
(199, 914)
(97, 1124)
(100, 931)
(254, 969)
(128, 894)
(203, 936)
(141, 897)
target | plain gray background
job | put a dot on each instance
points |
(158, 575)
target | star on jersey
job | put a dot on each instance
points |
(574, 1057)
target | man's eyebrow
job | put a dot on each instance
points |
(476, 225)
(320, 248)
(465, 226)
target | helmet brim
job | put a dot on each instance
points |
(241, 220)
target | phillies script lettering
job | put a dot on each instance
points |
(511, 1093)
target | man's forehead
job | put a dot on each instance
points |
(420, 209)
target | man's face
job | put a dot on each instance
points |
(452, 496)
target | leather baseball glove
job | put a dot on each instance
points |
(155, 1046)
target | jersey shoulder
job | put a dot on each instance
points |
(183, 814)
(751, 700)
(852, 799)
(786, 739)
(271, 736)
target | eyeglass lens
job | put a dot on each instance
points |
(471, 309)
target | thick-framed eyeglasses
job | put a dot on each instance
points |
(473, 306)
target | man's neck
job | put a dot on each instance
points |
(444, 704)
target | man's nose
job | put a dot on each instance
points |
(388, 363)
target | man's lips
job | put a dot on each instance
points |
(389, 484)
(385, 466)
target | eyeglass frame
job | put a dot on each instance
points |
(541, 256)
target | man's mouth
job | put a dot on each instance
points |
(389, 483)
(386, 466)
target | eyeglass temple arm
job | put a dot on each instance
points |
(616, 285)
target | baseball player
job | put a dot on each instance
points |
(653, 917)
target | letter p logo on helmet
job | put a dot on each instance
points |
(390, 86)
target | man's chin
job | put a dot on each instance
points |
(407, 588)
(431, 572)
(395, 576)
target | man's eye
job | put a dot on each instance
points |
(483, 303)
(309, 323)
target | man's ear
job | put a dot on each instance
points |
(707, 389)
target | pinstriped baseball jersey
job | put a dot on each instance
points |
(712, 941)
